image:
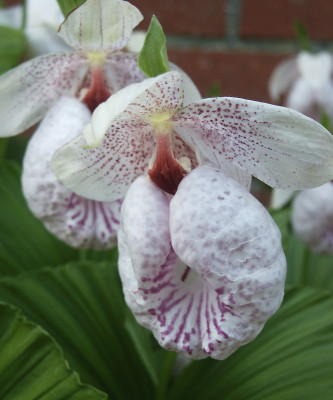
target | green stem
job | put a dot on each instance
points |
(24, 15)
(3, 148)
(164, 378)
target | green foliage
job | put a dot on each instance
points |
(291, 359)
(67, 6)
(81, 305)
(12, 47)
(325, 120)
(32, 365)
(153, 58)
(302, 35)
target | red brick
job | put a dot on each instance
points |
(275, 18)
(237, 74)
(188, 17)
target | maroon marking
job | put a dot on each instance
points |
(98, 92)
(166, 172)
(185, 273)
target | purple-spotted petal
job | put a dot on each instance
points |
(312, 218)
(187, 308)
(100, 25)
(28, 91)
(229, 240)
(78, 221)
(281, 147)
(122, 130)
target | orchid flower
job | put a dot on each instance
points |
(306, 80)
(92, 73)
(76, 220)
(200, 259)
(312, 218)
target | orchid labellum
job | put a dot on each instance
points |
(200, 259)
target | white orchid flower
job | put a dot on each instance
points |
(306, 80)
(78, 221)
(312, 218)
(92, 73)
(205, 270)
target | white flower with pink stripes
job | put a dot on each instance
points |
(200, 259)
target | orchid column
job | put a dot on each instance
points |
(200, 259)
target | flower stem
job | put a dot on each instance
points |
(164, 377)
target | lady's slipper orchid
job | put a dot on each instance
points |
(147, 124)
(306, 80)
(78, 221)
(203, 271)
(312, 218)
(91, 73)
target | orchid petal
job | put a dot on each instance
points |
(280, 197)
(183, 307)
(279, 146)
(37, 16)
(78, 221)
(227, 237)
(315, 69)
(29, 90)
(44, 40)
(312, 218)
(282, 78)
(115, 20)
(302, 98)
(121, 128)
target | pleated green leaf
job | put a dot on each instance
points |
(25, 244)
(81, 305)
(12, 47)
(291, 359)
(32, 365)
(67, 6)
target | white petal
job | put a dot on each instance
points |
(136, 41)
(11, 16)
(78, 221)
(44, 40)
(100, 25)
(121, 128)
(43, 13)
(315, 69)
(28, 91)
(302, 98)
(312, 218)
(279, 146)
(283, 76)
(224, 234)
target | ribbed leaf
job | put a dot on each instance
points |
(12, 47)
(25, 244)
(82, 306)
(291, 359)
(32, 365)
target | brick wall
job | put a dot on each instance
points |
(235, 44)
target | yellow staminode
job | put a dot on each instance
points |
(96, 58)
(161, 123)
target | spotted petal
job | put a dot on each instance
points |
(281, 147)
(78, 221)
(121, 129)
(28, 91)
(214, 301)
(100, 25)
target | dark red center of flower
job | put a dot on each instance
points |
(166, 172)
(97, 92)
